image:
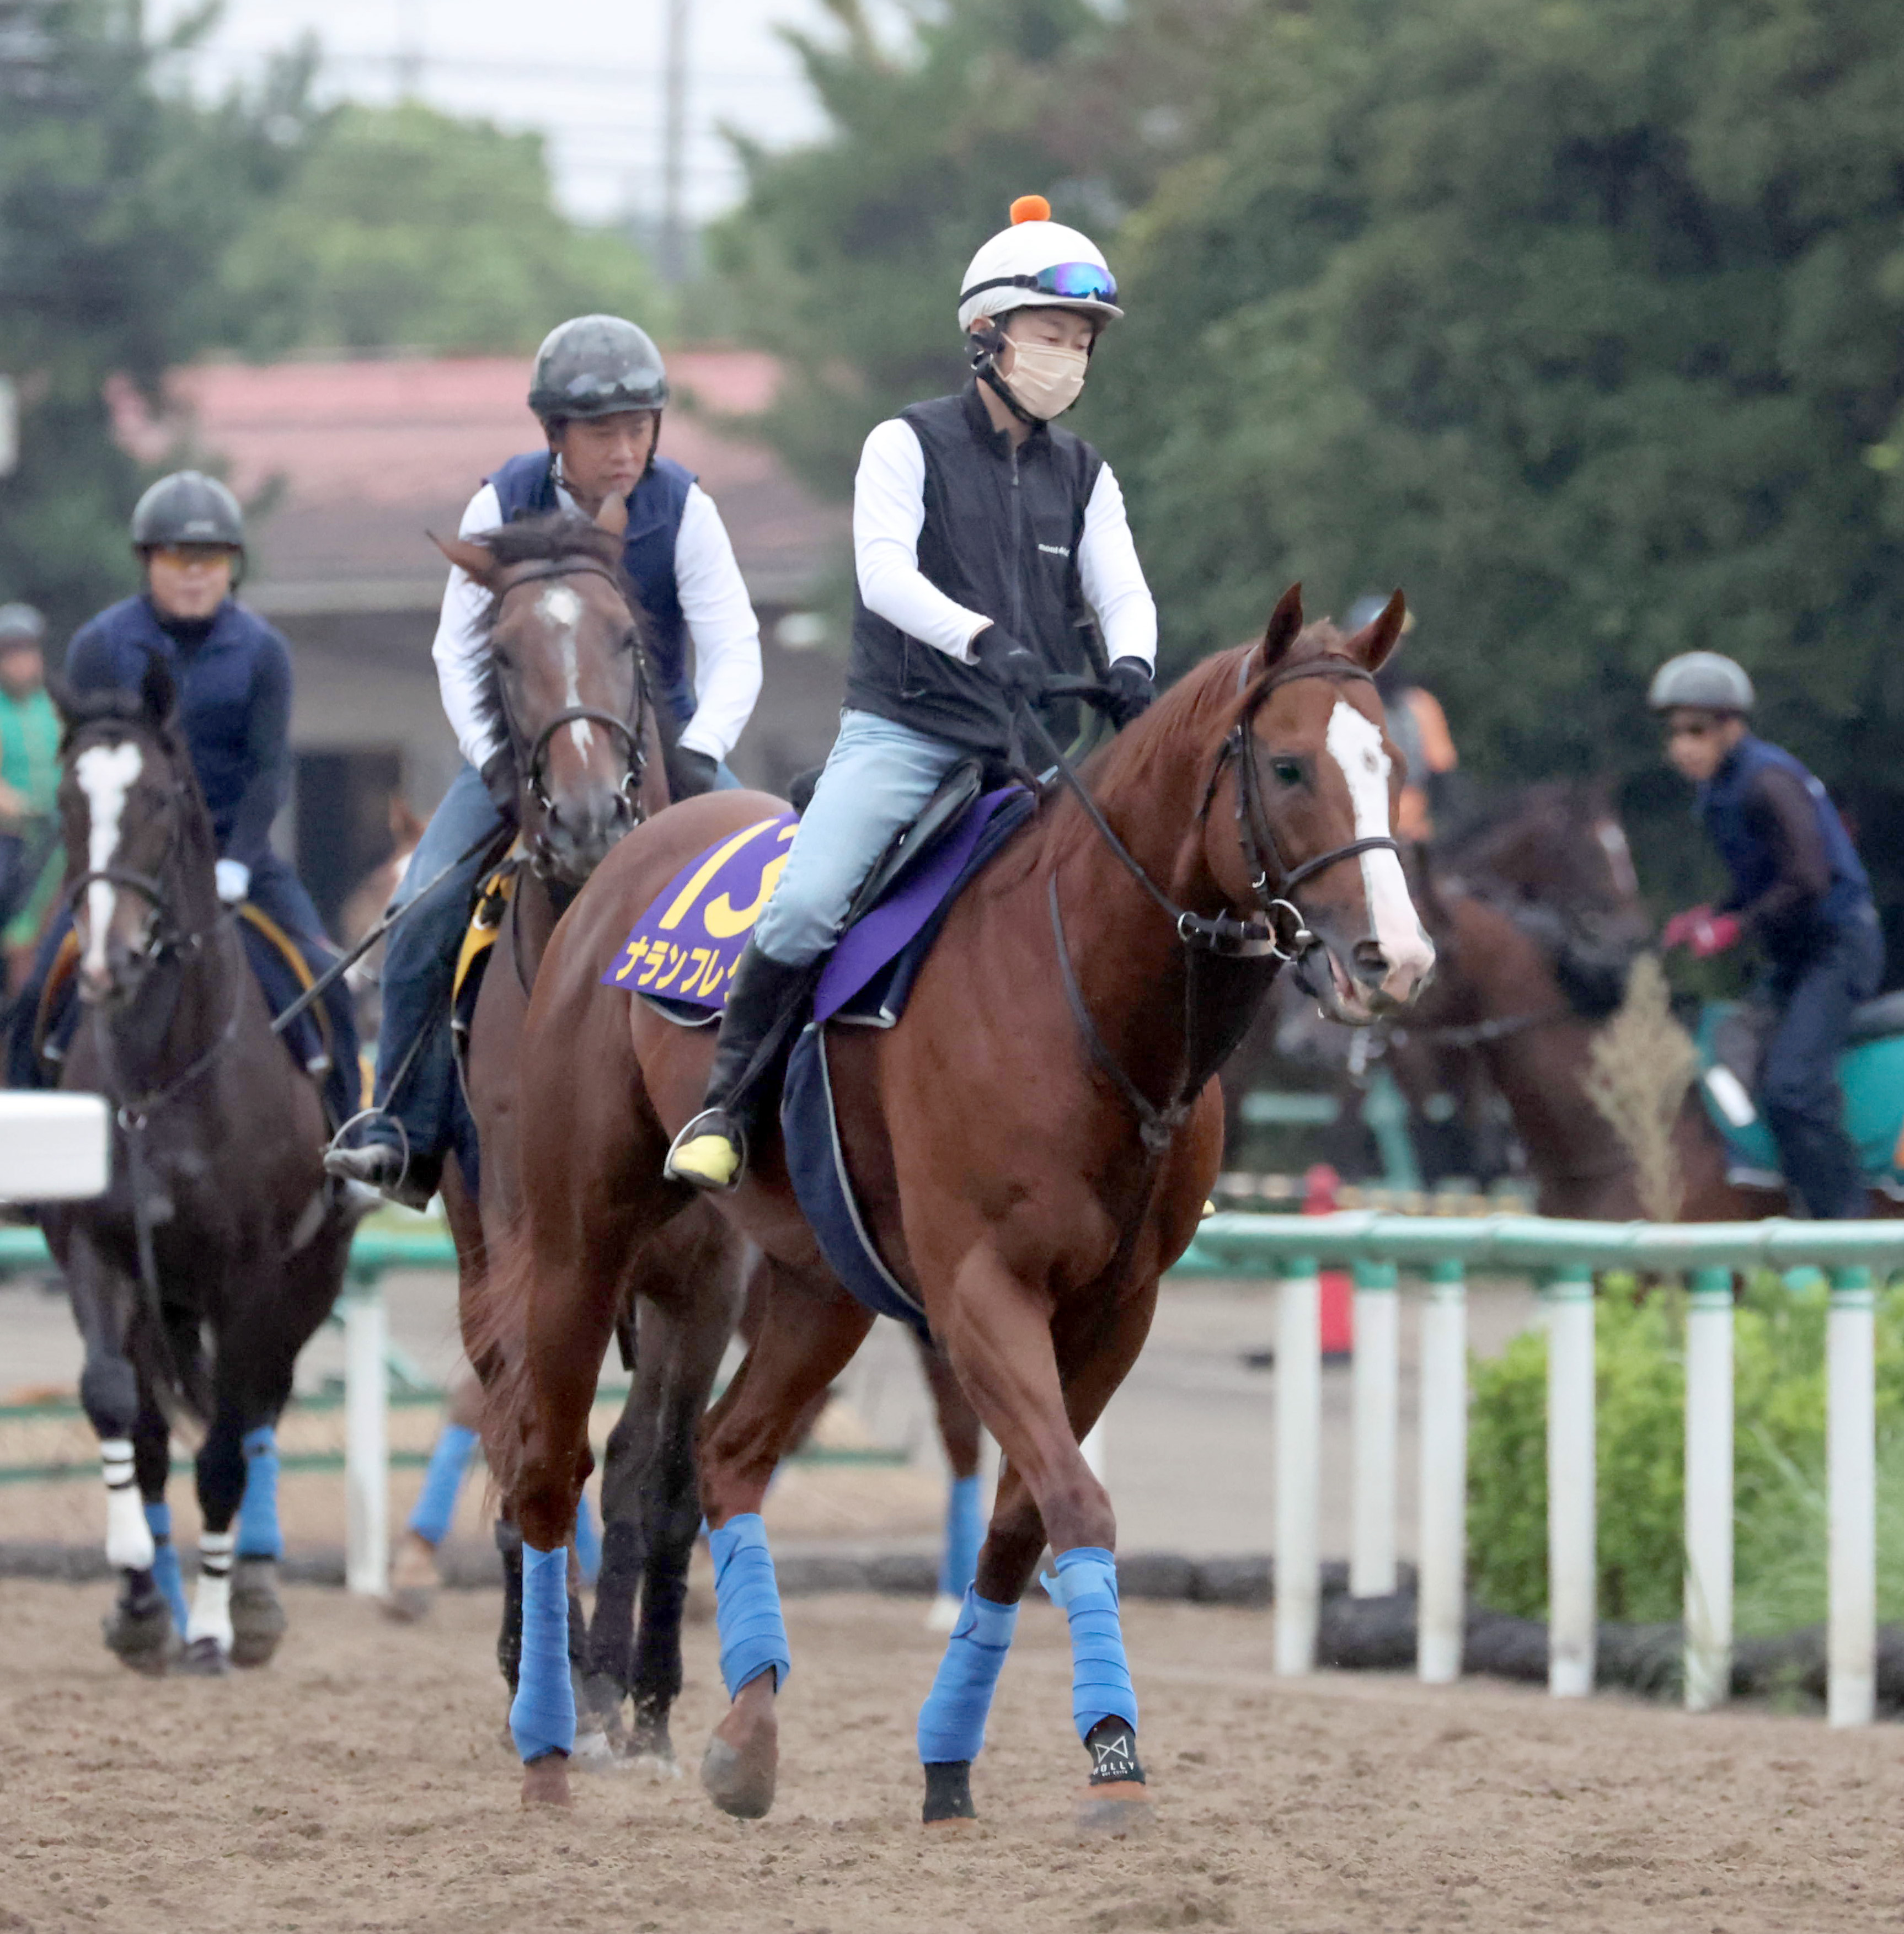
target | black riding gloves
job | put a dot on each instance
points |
(1131, 690)
(500, 782)
(690, 773)
(1014, 665)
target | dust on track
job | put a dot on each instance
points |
(361, 1783)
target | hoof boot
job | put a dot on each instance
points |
(948, 1794)
(545, 1781)
(141, 1635)
(258, 1614)
(204, 1658)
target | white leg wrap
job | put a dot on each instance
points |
(129, 1545)
(211, 1603)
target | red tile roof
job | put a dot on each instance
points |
(358, 459)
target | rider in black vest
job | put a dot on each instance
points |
(984, 539)
(599, 388)
(233, 674)
(1800, 891)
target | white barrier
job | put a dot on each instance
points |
(1572, 1561)
(1377, 1389)
(1709, 1490)
(1298, 1487)
(366, 1440)
(53, 1148)
(1442, 1562)
(1851, 1461)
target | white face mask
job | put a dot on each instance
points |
(1045, 379)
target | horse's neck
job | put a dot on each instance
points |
(1170, 1018)
(1541, 1069)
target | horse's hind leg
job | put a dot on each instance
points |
(152, 1457)
(965, 1523)
(808, 1335)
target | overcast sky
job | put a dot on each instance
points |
(586, 72)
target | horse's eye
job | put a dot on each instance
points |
(1288, 772)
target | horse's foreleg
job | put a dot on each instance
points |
(808, 1335)
(999, 1337)
(139, 1628)
(625, 1465)
(221, 1471)
(152, 1457)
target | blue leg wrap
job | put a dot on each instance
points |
(435, 1508)
(952, 1721)
(965, 1532)
(1086, 1586)
(747, 1604)
(542, 1716)
(588, 1541)
(166, 1574)
(258, 1534)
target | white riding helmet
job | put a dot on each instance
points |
(1036, 263)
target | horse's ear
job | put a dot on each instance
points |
(158, 692)
(613, 517)
(1285, 622)
(476, 560)
(1371, 646)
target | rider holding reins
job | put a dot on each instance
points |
(233, 673)
(1800, 891)
(599, 388)
(983, 539)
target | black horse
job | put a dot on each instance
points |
(220, 1246)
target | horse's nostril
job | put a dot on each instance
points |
(1370, 963)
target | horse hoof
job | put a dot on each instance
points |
(204, 1658)
(1119, 1810)
(414, 1580)
(258, 1616)
(545, 1781)
(142, 1636)
(737, 1782)
(948, 1794)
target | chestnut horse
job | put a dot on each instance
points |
(564, 684)
(1031, 1144)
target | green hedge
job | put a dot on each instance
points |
(1779, 1396)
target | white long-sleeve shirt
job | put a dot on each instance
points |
(889, 512)
(714, 601)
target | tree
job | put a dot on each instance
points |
(1581, 323)
(845, 257)
(471, 253)
(117, 202)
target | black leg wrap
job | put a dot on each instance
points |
(948, 1792)
(1112, 1744)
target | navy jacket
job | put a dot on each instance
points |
(234, 706)
(526, 487)
(1002, 532)
(1744, 829)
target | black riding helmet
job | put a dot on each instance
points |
(594, 366)
(189, 507)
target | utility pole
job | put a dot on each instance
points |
(674, 141)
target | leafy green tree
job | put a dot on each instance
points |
(845, 256)
(117, 203)
(1586, 324)
(405, 225)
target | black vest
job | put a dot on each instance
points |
(1000, 536)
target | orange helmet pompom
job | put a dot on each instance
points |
(1030, 208)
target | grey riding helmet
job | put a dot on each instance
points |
(187, 507)
(1707, 681)
(20, 625)
(594, 366)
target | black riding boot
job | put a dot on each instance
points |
(711, 1151)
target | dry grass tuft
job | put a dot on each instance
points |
(1643, 1062)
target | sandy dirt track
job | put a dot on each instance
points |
(359, 1783)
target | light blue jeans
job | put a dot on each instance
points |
(877, 777)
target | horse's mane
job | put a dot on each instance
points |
(553, 539)
(109, 705)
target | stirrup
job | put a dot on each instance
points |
(710, 1153)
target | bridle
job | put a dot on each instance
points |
(632, 733)
(1280, 934)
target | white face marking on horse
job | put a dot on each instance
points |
(106, 774)
(1619, 856)
(560, 606)
(1354, 742)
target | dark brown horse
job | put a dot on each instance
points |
(219, 1219)
(1031, 1145)
(564, 685)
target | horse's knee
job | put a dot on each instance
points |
(109, 1390)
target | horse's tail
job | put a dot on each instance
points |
(494, 1332)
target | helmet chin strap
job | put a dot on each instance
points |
(982, 350)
